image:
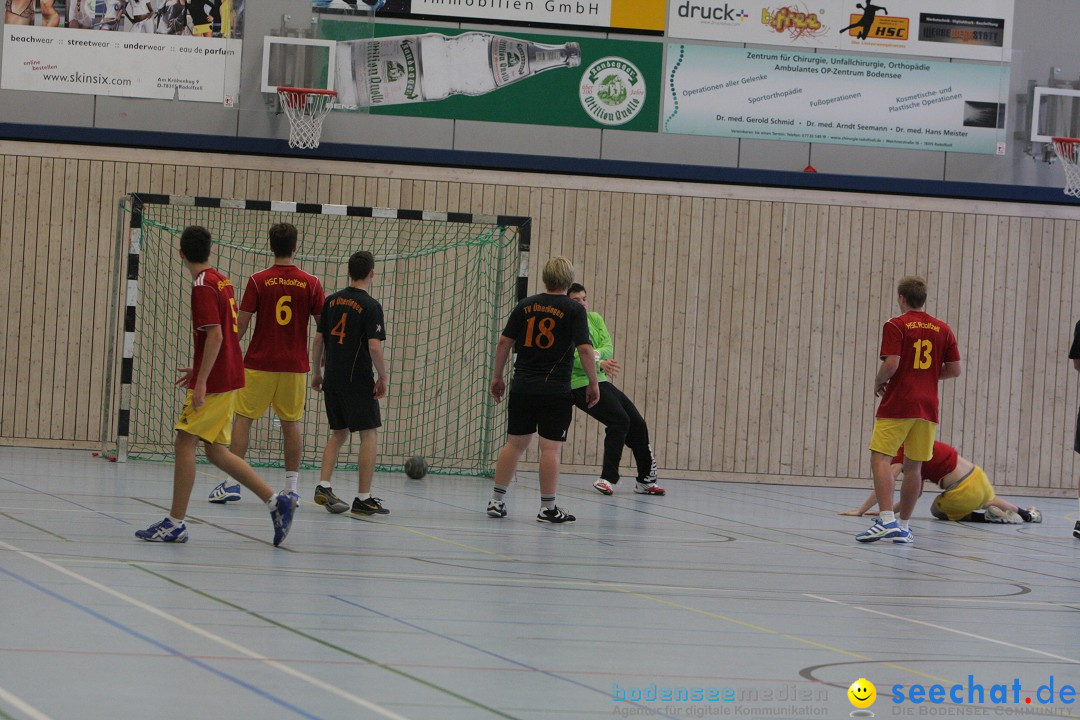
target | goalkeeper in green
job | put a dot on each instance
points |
(624, 424)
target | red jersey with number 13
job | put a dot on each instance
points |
(213, 303)
(283, 298)
(923, 344)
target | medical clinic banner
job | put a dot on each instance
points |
(569, 81)
(186, 50)
(840, 99)
(645, 16)
(932, 28)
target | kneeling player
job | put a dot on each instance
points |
(967, 492)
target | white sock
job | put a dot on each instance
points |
(887, 516)
(174, 521)
(291, 478)
(272, 502)
(363, 496)
(324, 484)
(903, 524)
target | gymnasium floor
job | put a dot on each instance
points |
(753, 600)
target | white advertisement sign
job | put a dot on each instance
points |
(933, 28)
(595, 13)
(839, 99)
(65, 60)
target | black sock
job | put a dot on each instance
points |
(1024, 514)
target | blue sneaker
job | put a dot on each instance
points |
(164, 531)
(879, 531)
(905, 536)
(282, 515)
(222, 494)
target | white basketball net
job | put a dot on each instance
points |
(305, 111)
(1068, 150)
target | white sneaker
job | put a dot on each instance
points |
(604, 487)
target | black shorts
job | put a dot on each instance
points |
(356, 410)
(1076, 440)
(548, 415)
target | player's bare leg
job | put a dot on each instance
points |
(241, 435)
(330, 453)
(910, 488)
(550, 455)
(505, 467)
(881, 471)
(365, 461)
(294, 444)
(183, 473)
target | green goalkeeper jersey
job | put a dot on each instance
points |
(601, 340)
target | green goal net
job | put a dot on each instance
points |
(446, 283)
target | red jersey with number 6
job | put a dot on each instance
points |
(282, 298)
(213, 303)
(923, 344)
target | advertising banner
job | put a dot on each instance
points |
(173, 49)
(646, 16)
(932, 28)
(840, 99)
(468, 75)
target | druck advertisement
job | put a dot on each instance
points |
(831, 98)
(468, 75)
(930, 28)
(172, 49)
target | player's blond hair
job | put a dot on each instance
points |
(913, 289)
(558, 274)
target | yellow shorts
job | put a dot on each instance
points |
(971, 493)
(916, 435)
(285, 390)
(213, 421)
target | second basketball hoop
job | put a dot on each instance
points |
(305, 108)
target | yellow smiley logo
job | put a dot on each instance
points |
(862, 693)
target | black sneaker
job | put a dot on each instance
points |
(371, 506)
(326, 497)
(554, 515)
(496, 508)
(1076, 530)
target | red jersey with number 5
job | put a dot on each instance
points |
(282, 298)
(213, 303)
(923, 344)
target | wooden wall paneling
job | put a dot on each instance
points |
(653, 320)
(753, 332)
(36, 250)
(961, 398)
(787, 341)
(772, 363)
(838, 297)
(46, 294)
(1042, 360)
(76, 425)
(18, 332)
(1052, 366)
(631, 337)
(996, 410)
(65, 191)
(853, 395)
(678, 313)
(694, 338)
(1015, 294)
(982, 292)
(713, 366)
(1031, 231)
(802, 289)
(90, 385)
(8, 297)
(821, 341)
(734, 272)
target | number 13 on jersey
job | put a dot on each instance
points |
(923, 348)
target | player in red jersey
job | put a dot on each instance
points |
(967, 492)
(917, 350)
(211, 385)
(283, 297)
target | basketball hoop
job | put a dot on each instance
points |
(1068, 150)
(306, 108)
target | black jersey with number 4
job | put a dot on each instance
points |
(546, 329)
(350, 318)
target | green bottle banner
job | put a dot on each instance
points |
(567, 81)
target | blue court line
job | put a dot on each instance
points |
(58, 497)
(160, 645)
(406, 623)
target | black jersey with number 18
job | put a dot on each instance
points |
(350, 318)
(545, 328)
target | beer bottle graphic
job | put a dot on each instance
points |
(421, 68)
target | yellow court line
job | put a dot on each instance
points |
(796, 638)
(444, 540)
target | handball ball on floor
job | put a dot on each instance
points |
(416, 467)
